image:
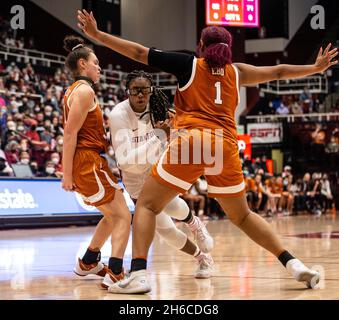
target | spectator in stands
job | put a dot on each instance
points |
(24, 157)
(9, 133)
(50, 170)
(246, 162)
(313, 198)
(251, 195)
(264, 163)
(257, 165)
(31, 43)
(306, 100)
(261, 193)
(326, 193)
(59, 144)
(296, 108)
(287, 172)
(24, 145)
(55, 158)
(282, 109)
(11, 152)
(192, 198)
(276, 103)
(5, 169)
(48, 112)
(274, 188)
(332, 146)
(35, 168)
(303, 189)
(32, 134)
(55, 126)
(46, 135)
(287, 196)
(263, 174)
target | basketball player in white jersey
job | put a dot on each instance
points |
(137, 147)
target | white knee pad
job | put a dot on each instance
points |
(166, 228)
(177, 209)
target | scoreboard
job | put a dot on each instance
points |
(233, 13)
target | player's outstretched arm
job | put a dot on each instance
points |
(251, 75)
(130, 49)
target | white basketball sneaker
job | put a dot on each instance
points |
(303, 274)
(136, 282)
(111, 278)
(205, 266)
(201, 235)
(96, 268)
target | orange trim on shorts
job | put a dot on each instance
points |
(105, 200)
(167, 184)
(226, 195)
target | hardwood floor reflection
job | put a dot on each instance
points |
(38, 264)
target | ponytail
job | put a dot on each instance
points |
(217, 46)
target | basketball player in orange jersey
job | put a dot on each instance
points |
(85, 171)
(206, 99)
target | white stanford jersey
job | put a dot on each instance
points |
(135, 145)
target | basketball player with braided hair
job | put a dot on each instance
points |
(159, 104)
(85, 170)
(137, 147)
(205, 103)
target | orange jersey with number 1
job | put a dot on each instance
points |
(209, 100)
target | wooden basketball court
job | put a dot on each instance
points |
(38, 264)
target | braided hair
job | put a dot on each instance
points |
(159, 103)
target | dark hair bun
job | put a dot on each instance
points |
(71, 41)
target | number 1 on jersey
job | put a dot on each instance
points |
(218, 100)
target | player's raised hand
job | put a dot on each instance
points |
(325, 58)
(87, 23)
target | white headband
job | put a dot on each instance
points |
(80, 45)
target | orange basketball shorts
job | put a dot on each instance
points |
(193, 153)
(93, 179)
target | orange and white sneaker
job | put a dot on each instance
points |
(205, 266)
(96, 268)
(111, 278)
(204, 240)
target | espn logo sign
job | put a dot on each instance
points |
(265, 132)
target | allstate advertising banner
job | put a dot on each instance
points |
(42, 197)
